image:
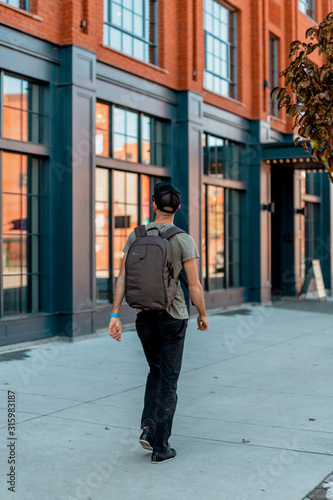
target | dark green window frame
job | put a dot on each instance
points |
(36, 118)
(29, 296)
(155, 144)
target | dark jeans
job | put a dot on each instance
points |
(162, 338)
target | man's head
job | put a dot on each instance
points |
(166, 197)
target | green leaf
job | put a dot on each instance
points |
(294, 47)
(305, 147)
(314, 143)
(325, 154)
(275, 91)
(309, 32)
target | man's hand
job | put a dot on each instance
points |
(115, 329)
(202, 323)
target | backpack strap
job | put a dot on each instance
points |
(140, 231)
(171, 232)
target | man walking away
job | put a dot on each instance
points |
(162, 333)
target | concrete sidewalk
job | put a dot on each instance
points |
(254, 417)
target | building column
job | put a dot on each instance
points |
(188, 164)
(74, 169)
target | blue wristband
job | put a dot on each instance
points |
(114, 315)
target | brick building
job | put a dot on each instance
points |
(101, 100)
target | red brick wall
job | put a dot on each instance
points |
(181, 43)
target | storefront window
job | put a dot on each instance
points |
(222, 243)
(123, 201)
(20, 234)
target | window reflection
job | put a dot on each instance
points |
(215, 221)
(125, 207)
(102, 129)
(146, 140)
(222, 231)
(129, 27)
(126, 138)
(20, 236)
(145, 144)
(21, 110)
(223, 158)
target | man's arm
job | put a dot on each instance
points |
(115, 328)
(196, 292)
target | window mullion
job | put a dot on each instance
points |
(111, 233)
(111, 131)
(139, 200)
(226, 237)
(140, 115)
(207, 278)
(152, 141)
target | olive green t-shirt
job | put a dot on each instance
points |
(183, 249)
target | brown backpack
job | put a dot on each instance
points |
(149, 274)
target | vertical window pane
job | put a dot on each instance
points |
(145, 199)
(119, 147)
(102, 230)
(216, 254)
(146, 140)
(102, 129)
(21, 110)
(119, 120)
(115, 38)
(132, 124)
(12, 123)
(125, 209)
(21, 239)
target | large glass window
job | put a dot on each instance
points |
(222, 244)
(222, 237)
(20, 4)
(130, 26)
(223, 158)
(21, 110)
(123, 201)
(220, 46)
(20, 233)
(307, 7)
(127, 135)
(273, 72)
